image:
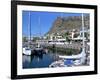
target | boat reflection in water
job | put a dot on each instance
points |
(38, 60)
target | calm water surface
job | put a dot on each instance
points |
(41, 60)
(38, 61)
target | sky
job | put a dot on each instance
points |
(40, 22)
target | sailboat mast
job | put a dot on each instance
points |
(29, 29)
(61, 15)
(83, 32)
(39, 25)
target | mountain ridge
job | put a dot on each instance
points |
(64, 24)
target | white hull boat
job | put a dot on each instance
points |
(81, 57)
(27, 51)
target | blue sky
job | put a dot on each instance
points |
(46, 21)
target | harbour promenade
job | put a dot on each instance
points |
(72, 46)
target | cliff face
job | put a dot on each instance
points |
(64, 24)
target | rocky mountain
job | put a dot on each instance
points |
(65, 24)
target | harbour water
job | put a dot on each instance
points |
(39, 60)
(46, 59)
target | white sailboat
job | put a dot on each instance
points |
(27, 50)
(80, 58)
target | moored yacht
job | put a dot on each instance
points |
(75, 60)
(80, 58)
(27, 50)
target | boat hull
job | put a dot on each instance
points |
(27, 51)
